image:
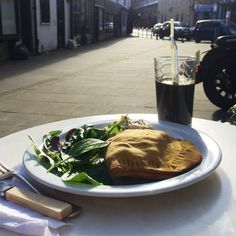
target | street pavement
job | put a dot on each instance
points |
(109, 77)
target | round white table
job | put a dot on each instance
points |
(205, 208)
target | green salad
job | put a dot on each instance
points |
(78, 155)
(232, 112)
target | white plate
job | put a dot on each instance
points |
(210, 151)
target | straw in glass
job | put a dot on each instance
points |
(174, 55)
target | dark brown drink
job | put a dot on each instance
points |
(175, 102)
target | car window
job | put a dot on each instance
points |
(202, 25)
(232, 27)
(215, 24)
(185, 25)
(166, 25)
(177, 24)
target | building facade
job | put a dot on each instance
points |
(146, 12)
(189, 11)
(179, 10)
(44, 25)
(149, 12)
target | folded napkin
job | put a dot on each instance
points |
(25, 221)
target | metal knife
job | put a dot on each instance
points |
(45, 205)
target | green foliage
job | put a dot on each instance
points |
(232, 112)
(78, 155)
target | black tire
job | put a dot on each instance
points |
(197, 40)
(220, 82)
(161, 35)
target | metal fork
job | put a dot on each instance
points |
(6, 173)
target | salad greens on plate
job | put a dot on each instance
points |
(78, 155)
(232, 112)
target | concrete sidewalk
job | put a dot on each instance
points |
(114, 76)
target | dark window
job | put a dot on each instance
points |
(204, 25)
(45, 11)
(9, 18)
(216, 24)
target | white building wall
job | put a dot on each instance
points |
(47, 32)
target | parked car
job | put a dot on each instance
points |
(232, 27)
(156, 29)
(209, 30)
(180, 31)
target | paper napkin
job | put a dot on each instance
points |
(25, 221)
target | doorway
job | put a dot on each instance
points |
(28, 22)
(60, 24)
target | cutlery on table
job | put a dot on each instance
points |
(42, 204)
(35, 201)
(6, 173)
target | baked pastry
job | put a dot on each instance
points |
(150, 154)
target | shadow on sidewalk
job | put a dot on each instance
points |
(12, 68)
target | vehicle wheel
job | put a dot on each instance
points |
(161, 35)
(220, 82)
(197, 40)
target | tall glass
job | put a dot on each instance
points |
(175, 97)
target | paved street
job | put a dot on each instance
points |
(114, 76)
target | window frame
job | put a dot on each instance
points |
(16, 35)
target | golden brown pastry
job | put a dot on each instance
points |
(150, 154)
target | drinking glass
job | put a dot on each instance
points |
(175, 91)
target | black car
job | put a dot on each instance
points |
(209, 30)
(156, 29)
(180, 31)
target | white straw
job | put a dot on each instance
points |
(174, 54)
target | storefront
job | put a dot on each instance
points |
(111, 20)
(99, 20)
(82, 20)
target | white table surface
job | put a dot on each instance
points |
(205, 208)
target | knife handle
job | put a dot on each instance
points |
(42, 204)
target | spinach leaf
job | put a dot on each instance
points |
(232, 112)
(86, 145)
(81, 177)
(116, 126)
